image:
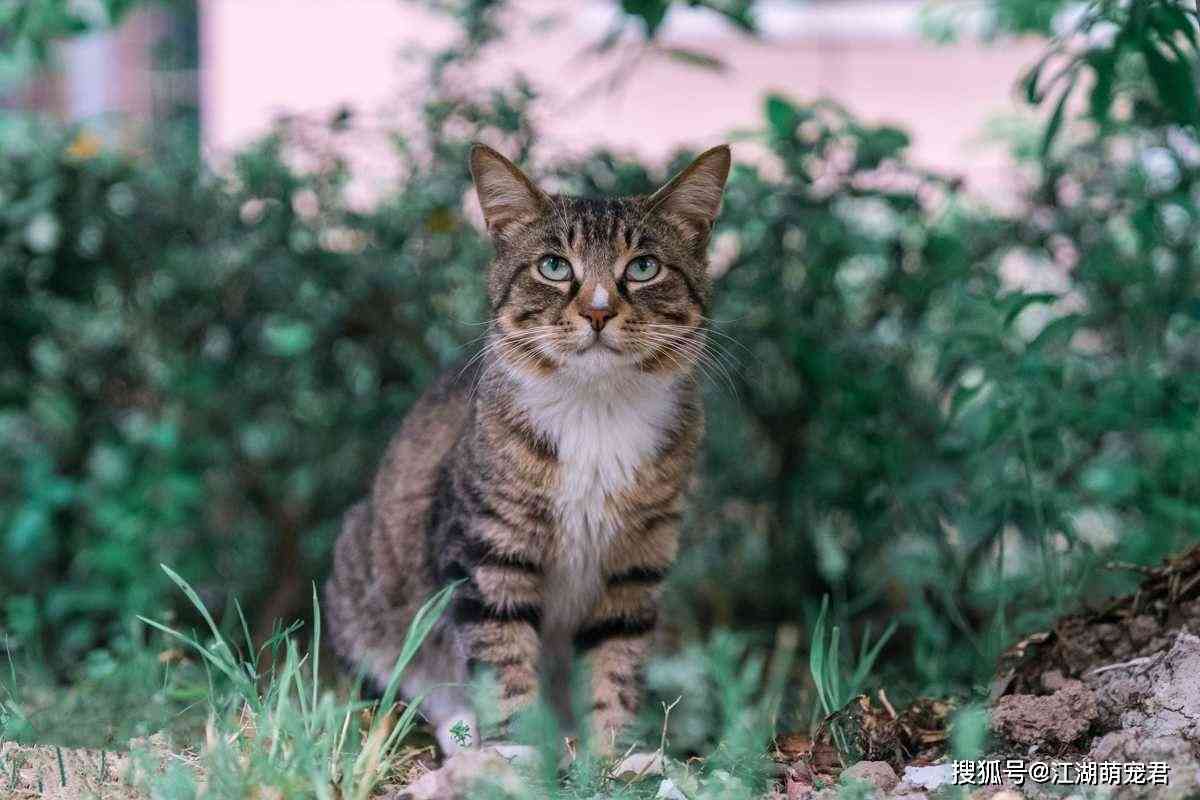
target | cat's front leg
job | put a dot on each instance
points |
(498, 611)
(614, 643)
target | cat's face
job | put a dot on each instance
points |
(591, 287)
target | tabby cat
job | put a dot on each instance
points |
(548, 474)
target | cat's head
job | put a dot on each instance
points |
(591, 287)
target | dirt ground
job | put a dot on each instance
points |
(1106, 704)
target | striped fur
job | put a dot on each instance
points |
(548, 474)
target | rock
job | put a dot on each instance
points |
(1172, 706)
(457, 778)
(874, 773)
(1057, 719)
(1132, 746)
(931, 777)
(667, 790)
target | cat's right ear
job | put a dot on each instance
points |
(506, 195)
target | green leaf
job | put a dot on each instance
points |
(1031, 80)
(879, 144)
(1174, 83)
(1057, 333)
(1104, 71)
(1017, 302)
(782, 116)
(1169, 20)
(1056, 119)
(650, 12)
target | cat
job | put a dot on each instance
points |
(548, 474)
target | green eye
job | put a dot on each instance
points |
(554, 268)
(642, 268)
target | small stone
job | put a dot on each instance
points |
(931, 777)
(875, 773)
(459, 776)
(667, 790)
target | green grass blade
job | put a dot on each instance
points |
(316, 644)
(209, 656)
(421, 625)
(867, 662)
(197, 602)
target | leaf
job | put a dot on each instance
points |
(1056, 333)
(1168, 20)
(783, 116)
(1056, 119)
(963, 395)
(651, 12)
(1174, 83)
(1017, 302)
(1031, 79)
(880, 143)
(1104, 70)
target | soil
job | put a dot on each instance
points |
(1108, 702)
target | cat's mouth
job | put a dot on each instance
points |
(597, 345)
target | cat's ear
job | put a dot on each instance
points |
(506, 196)
(693, 197)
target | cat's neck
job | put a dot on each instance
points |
(576, 391)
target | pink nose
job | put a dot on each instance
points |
(598, 317)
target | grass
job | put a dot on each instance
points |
(271, 729)
(247, 721)
(835, 690)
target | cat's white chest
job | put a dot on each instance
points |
(602, 435)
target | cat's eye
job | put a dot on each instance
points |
(642, 269)
(554, 268)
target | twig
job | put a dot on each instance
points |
(883, 698)
(1136, 662)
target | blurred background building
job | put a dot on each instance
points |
(235, 65)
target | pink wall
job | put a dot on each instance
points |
(264, 57)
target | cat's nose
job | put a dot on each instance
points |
(598, 307)
(598, 317)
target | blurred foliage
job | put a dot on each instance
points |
(200, 370)
(935, 412)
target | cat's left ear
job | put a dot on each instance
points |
(692, 198)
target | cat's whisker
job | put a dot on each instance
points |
(711, 349)
(714, 331)
(691, 338)
(705, 361)
(694, 332)
(729, 321)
